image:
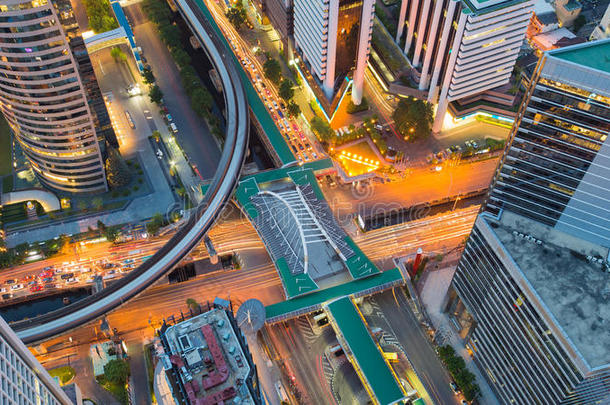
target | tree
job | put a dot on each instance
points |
(286, 91)
(293, 109)
(117, 172)
(413, 118)
(237, 15)
(99, 15)
(156, 136)
(117, 54)
(155, 94)
(116, 371)
(201, 101)
(273, 70)
(155, 223)
(97, 203)
(191, 303)
(181, 58)
(170, 34)
(149, 77)
(322, 129)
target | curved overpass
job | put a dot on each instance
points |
(217, 195)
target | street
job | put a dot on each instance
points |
(400, 320)
(193, 134)
(420, 186)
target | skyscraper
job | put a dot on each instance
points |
(24, 380)
(333, 38)
(50, 97)
(532, 289)
(459, 48)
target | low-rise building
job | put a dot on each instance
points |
(206, 360)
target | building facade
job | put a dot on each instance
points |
(24, 380)
(332, 37)
(459, 48)
(531, 289)
(50, 96)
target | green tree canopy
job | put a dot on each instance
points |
(116, 371)
(237, 15)
(117, 54)
(286, 91)
(155, 223)
(99, 15)
(293, 109)
(273, 70)
(413, 118)
(149, 77)
(117, 172)
(201, 101)
(155, 94)
(181, 58)
(321, 128)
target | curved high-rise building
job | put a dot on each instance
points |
(49, 95)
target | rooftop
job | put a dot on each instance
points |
(572, 286)
(594, 54)
(211, 363)
(370, 363)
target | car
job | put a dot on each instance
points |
(275, 105)
(127, 261)
(47, 280)
(301, 147)
(49, 286)
(464, 402)
(314, 155)
(282, 106)
(173, 127)
(10, 281)
(7, 296)
(294, 149)
(169, 117)
(306, 157)
(71, 280)
(2, 290)
(454, 387)
(48, 268)
(33, 282)
(36, 287)
(17, 287)
(129, 119)
(67, 276)
(258, 78)
(307, 145)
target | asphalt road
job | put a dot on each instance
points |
(419, 351)
(421, 185)
(193, 134)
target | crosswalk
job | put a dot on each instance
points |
(305, 330)
(328, 369)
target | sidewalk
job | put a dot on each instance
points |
(141, 208)
(432, 294)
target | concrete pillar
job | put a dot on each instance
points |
(331, 55)
(366, 25)
(420, 34)
(423, 81)
(441, 50)
(401, 20)
(412, 21)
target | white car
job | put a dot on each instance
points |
(71, 280)
(2, 290)
(17, 287)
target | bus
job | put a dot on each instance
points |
(130, 120)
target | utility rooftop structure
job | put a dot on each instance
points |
(207, 361)
(532, 289)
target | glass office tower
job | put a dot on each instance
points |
(50, 97)
(531, 293)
